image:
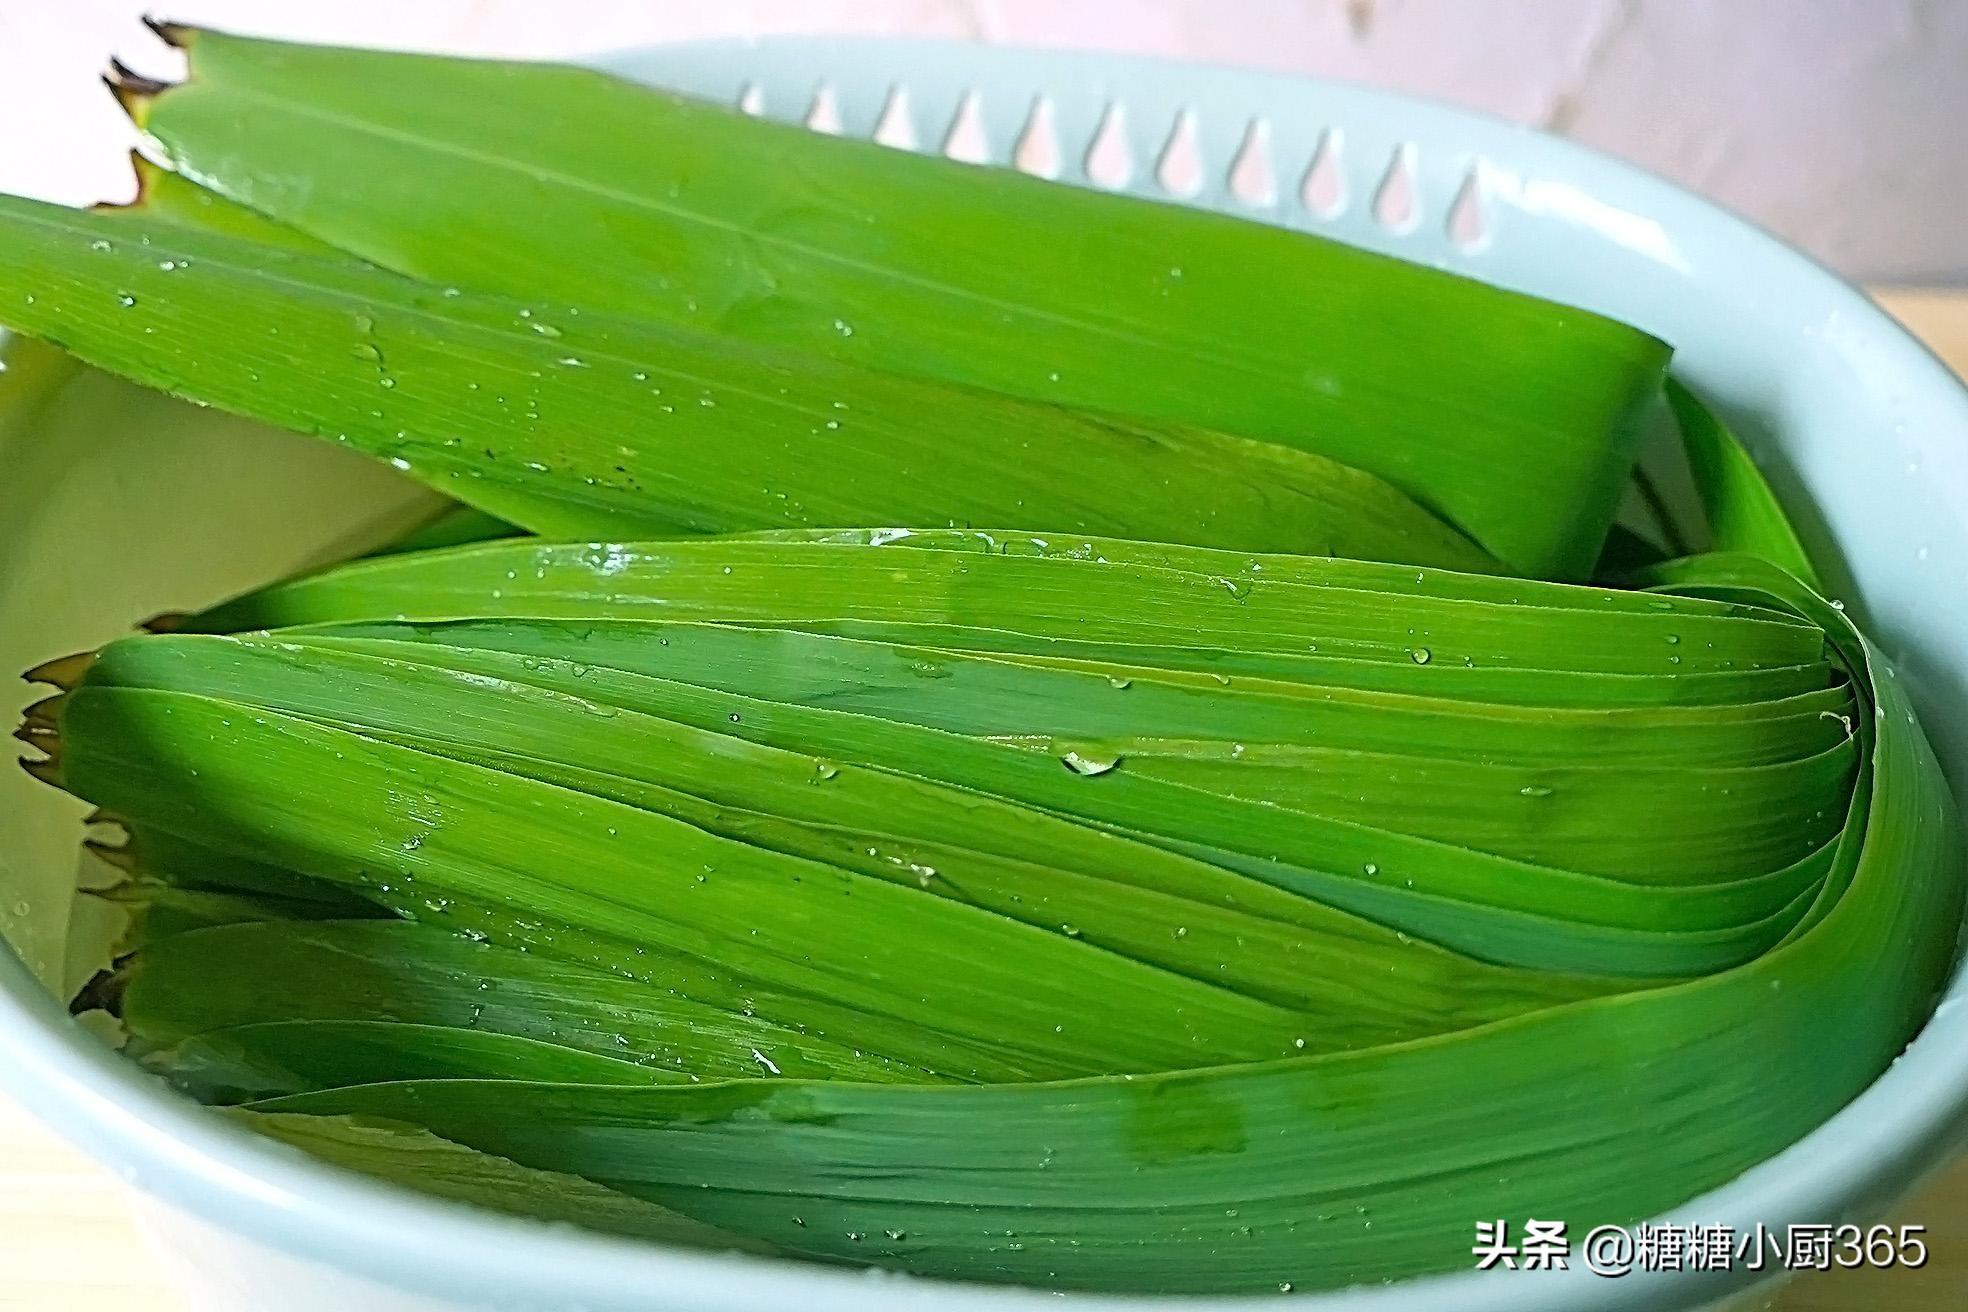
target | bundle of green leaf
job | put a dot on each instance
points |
(1092, 914)
(1228, 876)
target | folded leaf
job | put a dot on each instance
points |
(1318, 1171)
(1743, 513)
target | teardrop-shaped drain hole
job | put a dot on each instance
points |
(1323, 189)
(966, 140)
(896, 126)
(1037, 150)
(1396, 203)
(1109, 158)
(1252, 179)
(1468, 223)
(1180, 168)
(824, 114)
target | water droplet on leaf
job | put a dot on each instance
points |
(1089, 763)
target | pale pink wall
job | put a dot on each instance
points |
(1840, 123)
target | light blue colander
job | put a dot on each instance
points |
(1863, 433)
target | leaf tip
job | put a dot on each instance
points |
(133, 91)
(45, 713)
(63, 672)
(47, 769)
(119, 855)
(178, 36)
(103, 992)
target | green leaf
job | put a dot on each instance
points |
(652, 205)
(1743, 513)
(252, 1007)
(586, 426)
(418, 1160)
(164, 197)
(1372, 613)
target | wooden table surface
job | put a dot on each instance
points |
(67, 1243)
